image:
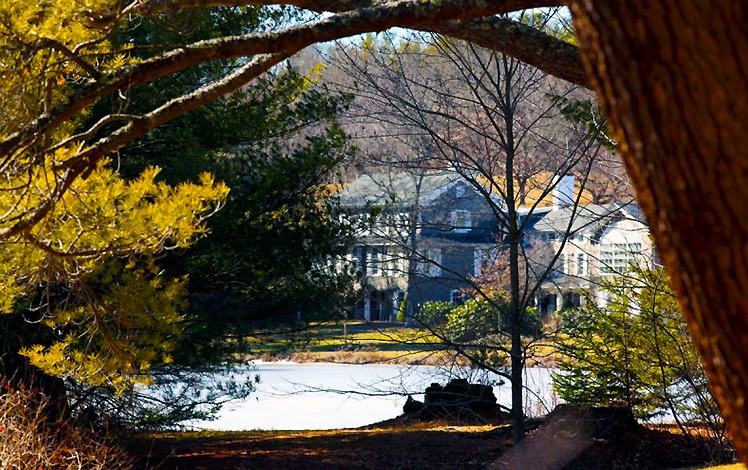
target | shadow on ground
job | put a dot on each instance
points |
(416, 445)
(572, 440)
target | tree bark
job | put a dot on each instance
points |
(672, 78)
(507, 105)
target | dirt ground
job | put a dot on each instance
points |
(414, 445)
(432, 447)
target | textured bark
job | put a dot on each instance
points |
(672, 78)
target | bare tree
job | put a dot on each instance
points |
(493, 121)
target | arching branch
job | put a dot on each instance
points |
(385, 15)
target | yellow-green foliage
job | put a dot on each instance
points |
(45, 46)
(80, 248)
(120, 316)
(116, 339)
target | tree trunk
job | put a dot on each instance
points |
(517, 350)
(672, 77)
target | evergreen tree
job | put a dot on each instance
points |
(634, 351)
(88, 291)
(277, 145)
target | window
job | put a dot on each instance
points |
(399, 224)
(457, 297)
(430, 263)
(461, 220)
(357, 258)
(561, 263)
(374, 263)
(460, 191)
(361, 224)
(398, 262)
(581, 264)
(477, 262)
(616, 258)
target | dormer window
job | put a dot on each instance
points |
(460, 191)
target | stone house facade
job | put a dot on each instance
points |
(592, 242)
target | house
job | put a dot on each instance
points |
(589, 243)
(419, 236)
(426, 234)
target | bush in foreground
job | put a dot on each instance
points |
(27, 440)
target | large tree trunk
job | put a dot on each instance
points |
(672, 77)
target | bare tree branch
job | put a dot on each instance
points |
(174, 108)
(527, 44)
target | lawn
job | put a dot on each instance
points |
(351, 342)
(360, 342)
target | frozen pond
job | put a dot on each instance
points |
(293, 396)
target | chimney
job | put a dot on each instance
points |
(563, 191)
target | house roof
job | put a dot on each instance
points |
(402, 188)
(588, 219)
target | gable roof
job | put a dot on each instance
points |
(588, 219)
(401, 188)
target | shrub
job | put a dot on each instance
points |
(474, 319)
(434, 314)
(27, 440)
(402, 310)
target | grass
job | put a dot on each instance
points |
(359, 342)
(735, 466)
(385, 336)
(387, 342)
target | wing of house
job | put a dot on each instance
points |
(426, 233)
(588, 242)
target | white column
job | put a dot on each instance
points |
(367, 308)
(395, 304)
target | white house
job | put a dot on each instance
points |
(589, 242)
